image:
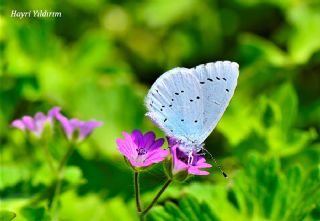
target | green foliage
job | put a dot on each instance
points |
(35, 214)
(98, 61)
(188, 208)
(7, 215)
(263, 190)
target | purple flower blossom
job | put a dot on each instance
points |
(190, 162)
(70, 126)
(35, 124)
(142, 150)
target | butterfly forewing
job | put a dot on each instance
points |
(218, 81)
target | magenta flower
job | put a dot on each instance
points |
(191, 162)
(71, 126)
(142, 150)
(35, 124)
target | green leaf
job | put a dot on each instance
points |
(286, 98)
(35, 214)
(73, 174)
(302, 44)
(7, 215)
(12, 175)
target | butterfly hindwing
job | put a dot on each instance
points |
(172, 103)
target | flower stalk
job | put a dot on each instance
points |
(49, 158)
(155, 199)
(137, 191)
(58, 182)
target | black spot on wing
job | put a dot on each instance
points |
(227, 90)
(209, 79)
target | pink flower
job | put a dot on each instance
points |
(70, 126)
(35, 124)
(190, 162)
(141, 150)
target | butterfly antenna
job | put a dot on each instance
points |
(217, 164)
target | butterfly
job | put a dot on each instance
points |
(187, 103)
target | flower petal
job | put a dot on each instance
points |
(157, 144)
(125, 148)
(87, 127)
(18, 124)
(131, 145)
(195, 171)
(66, 125)
(28, 122)
(53, 112)
(148, 139)
(137, 137)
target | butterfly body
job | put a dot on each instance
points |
(188, 103)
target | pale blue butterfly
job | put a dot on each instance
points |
(188, 103)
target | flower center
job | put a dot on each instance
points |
(141, 151)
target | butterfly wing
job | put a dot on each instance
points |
(173, 105)
(218, 81)
(188, 103)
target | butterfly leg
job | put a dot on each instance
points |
(190, 158)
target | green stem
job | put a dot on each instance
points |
(49, 158)
(58, 183)
(164, 187)
(137, 191)
(66, 157)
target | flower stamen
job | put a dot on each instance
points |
(141, 151)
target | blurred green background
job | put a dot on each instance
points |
(97, 62)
